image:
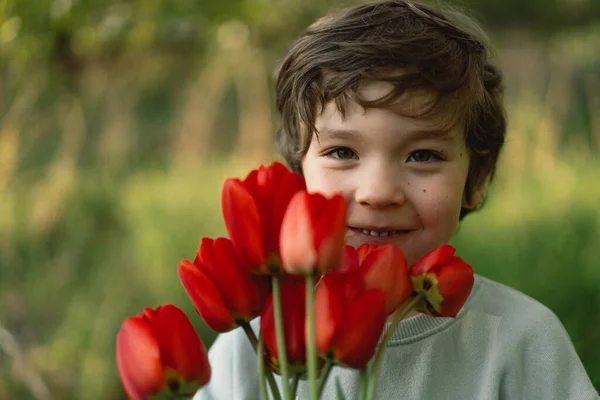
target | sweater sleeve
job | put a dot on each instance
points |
(546, 365)
(220, 357)
(234, 373)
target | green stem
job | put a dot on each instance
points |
(295, 381)
(281, 351)
(325, 375)
(388, 335)
(311, 347)
(262, 371)
(364, 380)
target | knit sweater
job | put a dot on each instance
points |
(501, 345)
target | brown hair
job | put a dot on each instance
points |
(442, 51)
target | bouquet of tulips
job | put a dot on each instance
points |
(285, 261)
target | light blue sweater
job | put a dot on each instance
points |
(502, 345)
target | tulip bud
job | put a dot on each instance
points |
(381, 267)
(349, 320)
(253, 211)
(444, 279)
(159, 353)
(312, 233)
(224, 293)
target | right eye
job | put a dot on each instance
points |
(342, 153)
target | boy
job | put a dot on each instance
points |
(397, 106)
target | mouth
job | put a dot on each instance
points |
(377, 235)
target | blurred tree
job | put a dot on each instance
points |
(72, 31)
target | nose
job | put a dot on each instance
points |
(381, 186)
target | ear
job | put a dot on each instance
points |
(476, 199)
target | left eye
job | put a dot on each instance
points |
(423, 156)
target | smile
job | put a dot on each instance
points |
(377, 233)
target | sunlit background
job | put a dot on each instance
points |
(119, 121)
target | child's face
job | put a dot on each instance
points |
(403, 180)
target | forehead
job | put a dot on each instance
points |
(423, 106)
(375, 90)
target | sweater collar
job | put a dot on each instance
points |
(421, 326)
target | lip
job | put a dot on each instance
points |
(377, 228)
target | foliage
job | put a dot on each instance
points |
(100, 103)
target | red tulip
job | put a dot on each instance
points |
(293, 306)
(253, 210)
(445, 280)
(224, 293)
(349, 320)
(158, 352)
(381, 267)
(312, 233)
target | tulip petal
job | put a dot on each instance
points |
(353, 285)
(364, 250)
(298, 254)
(272, 188)
(330, 232)
(385, 268)
(205, 297)
(329, 309)
(263, 182)
(453, 275)
(182, 348)
(293, 302)
(243, 292)
(284, 185)
(244, 224)
(267, 328)
(138, 359)
(291, 184)
(359, 332)
(435, 257)
(455, 283)
(349, 260)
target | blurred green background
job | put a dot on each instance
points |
(119, 121)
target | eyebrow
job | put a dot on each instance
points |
(339, 133)
(433, 134)
(410, 136)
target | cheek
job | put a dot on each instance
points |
(315, 182)
(316, 178)
(438, 204)
(326, 182)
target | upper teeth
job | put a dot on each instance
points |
(377, 234)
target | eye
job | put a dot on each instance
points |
(342, 153)
(424, 156)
